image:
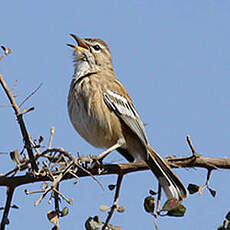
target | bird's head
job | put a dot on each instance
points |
(91, 55)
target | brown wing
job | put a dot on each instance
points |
(118, 100)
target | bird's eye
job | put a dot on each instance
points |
(96, 47)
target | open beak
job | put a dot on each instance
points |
(81, 44)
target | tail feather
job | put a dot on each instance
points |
(168, 180)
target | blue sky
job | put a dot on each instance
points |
(174, 59)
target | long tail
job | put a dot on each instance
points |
(168, 180)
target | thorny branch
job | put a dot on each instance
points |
(122, 168)
(115, 202)
(56, 203)
(22, 125)
(191, 146)
(61, 165)
(30, 95)
(5, 221)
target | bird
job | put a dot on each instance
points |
(102, 112)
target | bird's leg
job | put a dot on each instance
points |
(119, 143)
(97, 161)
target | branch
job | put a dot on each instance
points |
(115, 202)
(191, 146)
(20, 120)
(5, 220)
(124, 168)
(57, 209)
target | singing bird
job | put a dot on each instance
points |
(103, 113)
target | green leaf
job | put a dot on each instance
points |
(111, 187)
(40, 140)
(228, 216)
(15, 206)
(221, 227)
(193, 188)
(6, 221)
(14, 155)
(3, 48)
(213, 192)
(120, 209)
(52, 216)
(64, 212)
(96, 224)
(149, 204)
(178, 211)
(226, 223)
(170, 204)
(151, 192)
(87, 223)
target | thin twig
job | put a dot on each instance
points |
(42, 196)
(9, 95)
(90, 174)
(5, 220)
(71, 157)
(115, 202)
(74, 175)
(208, 176)
(55, 182)
(34, 192)
(30, 95)
(57, 209)
(5, 106)
(69, 201)
(49, 171)
(191, 146)
(23, 129)
(14, 171)
(207, 179)
(51, 137)
(15, 85)
(36, 148)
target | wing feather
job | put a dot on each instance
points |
(126, 112)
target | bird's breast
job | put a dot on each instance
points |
(90, 116)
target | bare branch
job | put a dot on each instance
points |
(124, 168)
(69, 201)
(57, 209)
(115, 202)
(10, 192)
(22, 125)
(191, 146)
(9, 95)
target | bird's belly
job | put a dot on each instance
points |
(92, 124)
